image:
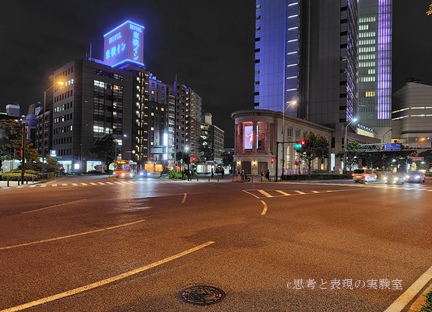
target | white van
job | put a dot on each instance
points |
(364, 175)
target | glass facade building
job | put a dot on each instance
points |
(375, 64)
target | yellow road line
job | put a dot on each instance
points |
(69, 236)
(105, 281)
(264, 209)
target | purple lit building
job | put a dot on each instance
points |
(375, 67)
(306, 53)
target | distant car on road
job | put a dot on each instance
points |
(393, 178)
(364, 175)
(143, 174)
(415, 176)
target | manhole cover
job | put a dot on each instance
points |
(201, 294)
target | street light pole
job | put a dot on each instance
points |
(43, 125)
(345, 144)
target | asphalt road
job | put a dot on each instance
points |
(95, 244)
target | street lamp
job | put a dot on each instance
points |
(294, 102)
(43, 125)
(346, 142)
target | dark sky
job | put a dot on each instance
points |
(209, 45)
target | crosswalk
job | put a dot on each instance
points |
(272, 193)
(56, 185)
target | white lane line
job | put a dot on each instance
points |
(316, 192)
(264, 209)
(70, 236)
(92, 183)
(55, 184)
(74, 184)
(53, 206)
(85, 184)
(106, 281)
(283, 193)
(265, 193)
(300, 192)
(101, 183)
(184, 198)
(64, 184)
(44, 185)
(400, 303)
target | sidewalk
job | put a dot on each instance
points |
(6, 184)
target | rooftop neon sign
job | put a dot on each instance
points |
(124, 44)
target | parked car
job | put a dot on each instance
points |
(393, 178)
(415, 176)
(364, 175)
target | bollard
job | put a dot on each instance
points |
(26, 180)
(7, 182)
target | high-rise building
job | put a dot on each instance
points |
(306, 53)
(375, 65)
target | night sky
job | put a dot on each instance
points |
(208, 45)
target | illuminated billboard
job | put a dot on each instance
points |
(124, 44)
(248, 140)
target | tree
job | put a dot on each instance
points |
(227, 158)
(429, 12)
(316, 146)
(10, 140)
(104, 149)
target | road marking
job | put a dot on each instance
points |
(54, 184)
(85, 184)
(53, 206)
(44, 185)
(92, 183)
(74, 184)
(64, 184)
(400, 303)
(101, 183)
(283, 193)
(106, 281)
(264, 209)
(70, 236)
(300, 192)
(265, 193)
(184, 198)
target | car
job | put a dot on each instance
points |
(364, 175)
(143, 174)
(415, 176)
(393, 178)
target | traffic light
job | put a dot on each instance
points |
(300, 144)
(272, 160)
(193, 159)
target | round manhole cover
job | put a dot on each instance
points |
(201, 294)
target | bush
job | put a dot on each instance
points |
(427, 306)
(15, 175)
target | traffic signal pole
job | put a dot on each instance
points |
(301, 142)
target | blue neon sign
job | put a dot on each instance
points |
(125, 43)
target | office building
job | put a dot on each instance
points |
(306, 53)
(412, 115)
(375, 66)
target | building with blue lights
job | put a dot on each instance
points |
(306, 65)
(151, 121)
